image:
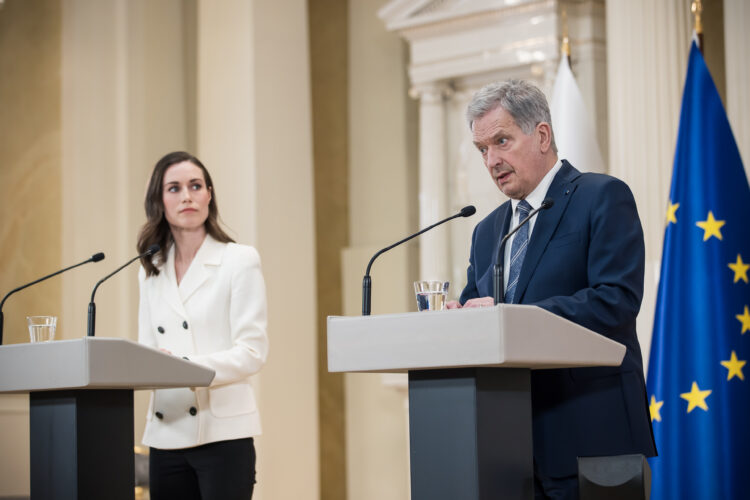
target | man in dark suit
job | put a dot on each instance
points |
(582, 259)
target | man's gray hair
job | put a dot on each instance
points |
(522, 100)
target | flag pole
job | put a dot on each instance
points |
(565, 40)
(697, 9)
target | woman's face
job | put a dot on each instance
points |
(185, 196)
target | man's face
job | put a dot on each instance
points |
(515, 160)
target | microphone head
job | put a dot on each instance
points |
(97, 257)
(468, 211)
(547, 203)
(153, 249)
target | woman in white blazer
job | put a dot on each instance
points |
(202, 297)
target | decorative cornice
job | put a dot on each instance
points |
(462, 20)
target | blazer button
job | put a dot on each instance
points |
(185, 325)
(160, 329)
(193, 410)
(159, 415)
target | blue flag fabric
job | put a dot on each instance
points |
(698, 376)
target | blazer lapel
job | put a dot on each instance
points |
(560, 191)
(209, 254)
(169, 290)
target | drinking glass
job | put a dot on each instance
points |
(431, 294)
(42, 328)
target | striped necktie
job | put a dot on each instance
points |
(518, 251)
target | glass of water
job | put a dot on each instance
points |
(42, 328)
(431, 294)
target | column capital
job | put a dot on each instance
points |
(432, 92)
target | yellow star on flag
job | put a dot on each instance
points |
(672, 212)
(654, 408)
(740, 269)
(744, 318)
(710, 226)
(734, 366)
(696, 397)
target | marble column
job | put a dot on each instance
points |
(434, 245)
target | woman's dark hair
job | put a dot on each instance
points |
(156, 229)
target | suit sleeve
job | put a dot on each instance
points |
(615, 265)
(470, 291)
(247, 318)
(145, 333)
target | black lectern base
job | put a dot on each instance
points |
(620, 477)
(82, 444)
(470, 434)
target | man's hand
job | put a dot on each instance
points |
(480, 302)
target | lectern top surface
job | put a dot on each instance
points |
(506, 335)
(94, 363)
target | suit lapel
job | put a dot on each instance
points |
(560, 191)
(502, 226)
(209, 255)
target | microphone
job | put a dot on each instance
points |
(94, 258)
(467, 211)
(497, 270)
(92, 306)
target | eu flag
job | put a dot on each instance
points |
(698, 392)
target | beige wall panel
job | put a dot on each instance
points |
(30, 194)
(383, 209)
(328, 23)
(285, 221)
(29, 160)
(225, 111)
(383, 168)
(377, 424)
(95, 159)
(14, 443)
(253, 132)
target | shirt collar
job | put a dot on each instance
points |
(536, 197)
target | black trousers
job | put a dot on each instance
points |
(224, 470)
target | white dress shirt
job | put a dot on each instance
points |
(535, 199)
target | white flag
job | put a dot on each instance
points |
(574, 135)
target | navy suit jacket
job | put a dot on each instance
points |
(584, 262)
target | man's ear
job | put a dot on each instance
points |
(544, 131)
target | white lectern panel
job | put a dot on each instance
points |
(513, 336)
(94, 363)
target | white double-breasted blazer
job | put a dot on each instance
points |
(215, 317)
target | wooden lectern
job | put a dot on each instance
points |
(469, 388)
(81, 409)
